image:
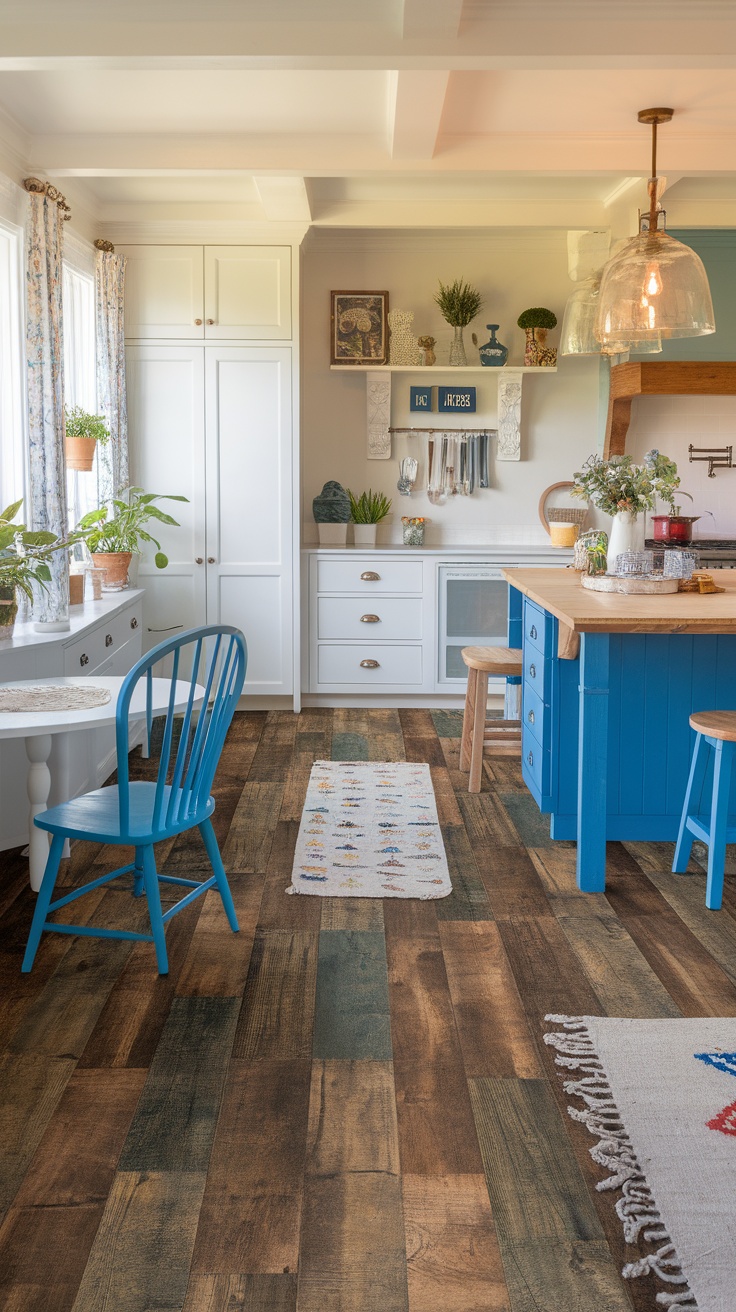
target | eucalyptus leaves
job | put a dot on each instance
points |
(621, 484)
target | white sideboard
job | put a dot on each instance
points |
(104, 638)
(386, 626)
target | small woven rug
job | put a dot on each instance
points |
(370, 829)
(52, 697)
(659, 1096)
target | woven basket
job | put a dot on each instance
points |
(561, 515)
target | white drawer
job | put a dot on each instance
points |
(358, 575)
(85, 654)
(355, 617)
(338, 664)
(106, 639)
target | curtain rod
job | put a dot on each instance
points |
(40, 188)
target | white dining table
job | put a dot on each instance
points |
(39, 728)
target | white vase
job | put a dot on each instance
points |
(627, 534)
(364, 535)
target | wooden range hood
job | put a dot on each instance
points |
(660, 378)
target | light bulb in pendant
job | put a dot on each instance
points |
(653, 280)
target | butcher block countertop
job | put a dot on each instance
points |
(560, 592)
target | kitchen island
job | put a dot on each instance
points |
(609, 682)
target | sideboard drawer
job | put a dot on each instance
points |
(534, 714)
(536, 671)
(537, 627)
(366, 575)
(84, 655)
(385, 618)
(369, 665)
(535, 763)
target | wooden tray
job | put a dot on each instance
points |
(633, 586)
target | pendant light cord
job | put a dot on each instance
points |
(653, 219)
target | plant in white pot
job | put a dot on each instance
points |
(367, 511)
(82, 433)
(625, 490)
(24, 555)
(112, 539)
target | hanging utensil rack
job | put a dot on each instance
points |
(450, 432)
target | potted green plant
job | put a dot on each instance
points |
(112, 539)
(367, 511)
(536, 323)
(23, 562)
(82, 432)
(458, 303)
(625, 490)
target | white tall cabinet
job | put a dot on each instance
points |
(213, 419)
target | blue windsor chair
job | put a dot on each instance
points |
(140, 814)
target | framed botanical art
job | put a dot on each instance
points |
(359, 328)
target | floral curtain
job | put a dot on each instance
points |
(112, 459)
(46, 508)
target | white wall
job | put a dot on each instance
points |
(671, 423)
(560, 413)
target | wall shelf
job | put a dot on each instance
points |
(660, 378)
(378, 400)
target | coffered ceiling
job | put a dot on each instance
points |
(397, 113)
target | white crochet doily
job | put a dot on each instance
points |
(52, 697)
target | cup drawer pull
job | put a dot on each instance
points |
(531, 717)
(532, 671)
(134, 623)
(369, 665)
(530, 758)
(533, 631)
(370, 619)
(370, 576)
(108, 640)
(84, 659)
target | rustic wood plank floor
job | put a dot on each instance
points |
(347, 1107)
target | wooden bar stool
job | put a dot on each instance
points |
(715, 730)
(502, 737)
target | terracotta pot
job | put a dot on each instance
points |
(114, 565)
(80, 453)
(8, 612)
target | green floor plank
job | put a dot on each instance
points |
(531, 825)
(349, 747)
(352, 1009)
(449, 724)
(174, 1124)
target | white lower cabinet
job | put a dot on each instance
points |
(214, 424)
(394, 621)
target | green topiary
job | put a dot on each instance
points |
(537, 317)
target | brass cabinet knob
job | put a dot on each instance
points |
(369, 665)
(210, 560)
(210, 322)
(370, 619)
(108, 640)
(198, 322)
(199, 560)
(370, 576)
(134, 623)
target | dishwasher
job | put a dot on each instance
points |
(472, 612)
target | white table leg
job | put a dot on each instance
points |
(60, 774)
(38, 750)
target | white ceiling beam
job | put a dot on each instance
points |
(622, 189)
(430, 18)
(572, 154)
(284, 199)
(415, 112)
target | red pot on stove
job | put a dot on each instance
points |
(674, 530)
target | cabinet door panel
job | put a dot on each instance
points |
(248, 292)
(249, 505)
(164, 291)
(165, 388)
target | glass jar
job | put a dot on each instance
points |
(412, 531)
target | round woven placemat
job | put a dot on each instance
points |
(52, 697)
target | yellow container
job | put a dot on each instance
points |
(563, 534)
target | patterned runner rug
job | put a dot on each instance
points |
(370, 829)
(660, 1098)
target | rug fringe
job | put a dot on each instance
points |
(636, 1207)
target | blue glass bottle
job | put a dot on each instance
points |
(493, 353)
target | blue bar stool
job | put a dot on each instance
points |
(141, 813)
(716, 732)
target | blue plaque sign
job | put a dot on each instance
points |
(420, 398)
(456, 398)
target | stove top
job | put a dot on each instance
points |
(720, 550)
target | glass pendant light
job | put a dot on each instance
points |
(654, 287)
(578, 326)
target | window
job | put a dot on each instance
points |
(13, 444)
(79, 376)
